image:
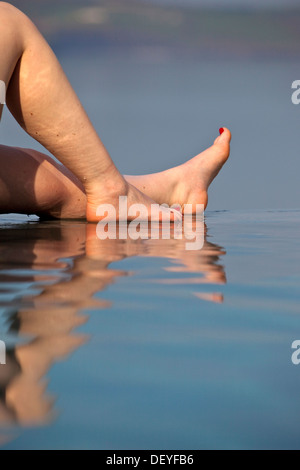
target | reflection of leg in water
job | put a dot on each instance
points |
(50, 317)
(78, 266)
(204, 262)
(26, 394)
(7, 376)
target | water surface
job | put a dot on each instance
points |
(123, 344)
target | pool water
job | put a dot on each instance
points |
(143, 345)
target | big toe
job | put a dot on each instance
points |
(221, 148)
(224, 139)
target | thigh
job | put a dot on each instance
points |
(20, 176)
(31, 183)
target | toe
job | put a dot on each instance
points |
(222, 144)
(224, 137)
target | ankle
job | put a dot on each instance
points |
(111, 182)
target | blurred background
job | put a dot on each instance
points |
(159, 77)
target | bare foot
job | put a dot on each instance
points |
(185, 184)
(188, 183)
(109, 195)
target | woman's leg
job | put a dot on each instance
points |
(45, 105)
(43, 102)
(33, 183)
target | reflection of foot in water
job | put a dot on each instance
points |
(203, 262)
(74, 265)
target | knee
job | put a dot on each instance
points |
(7, 10)
(12, 17)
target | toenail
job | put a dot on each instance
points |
(221, 130)
(177, 207)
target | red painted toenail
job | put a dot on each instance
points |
(221, 130)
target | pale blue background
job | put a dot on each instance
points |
(154, 109)
(229, 3)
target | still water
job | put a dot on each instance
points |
(142, 345)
